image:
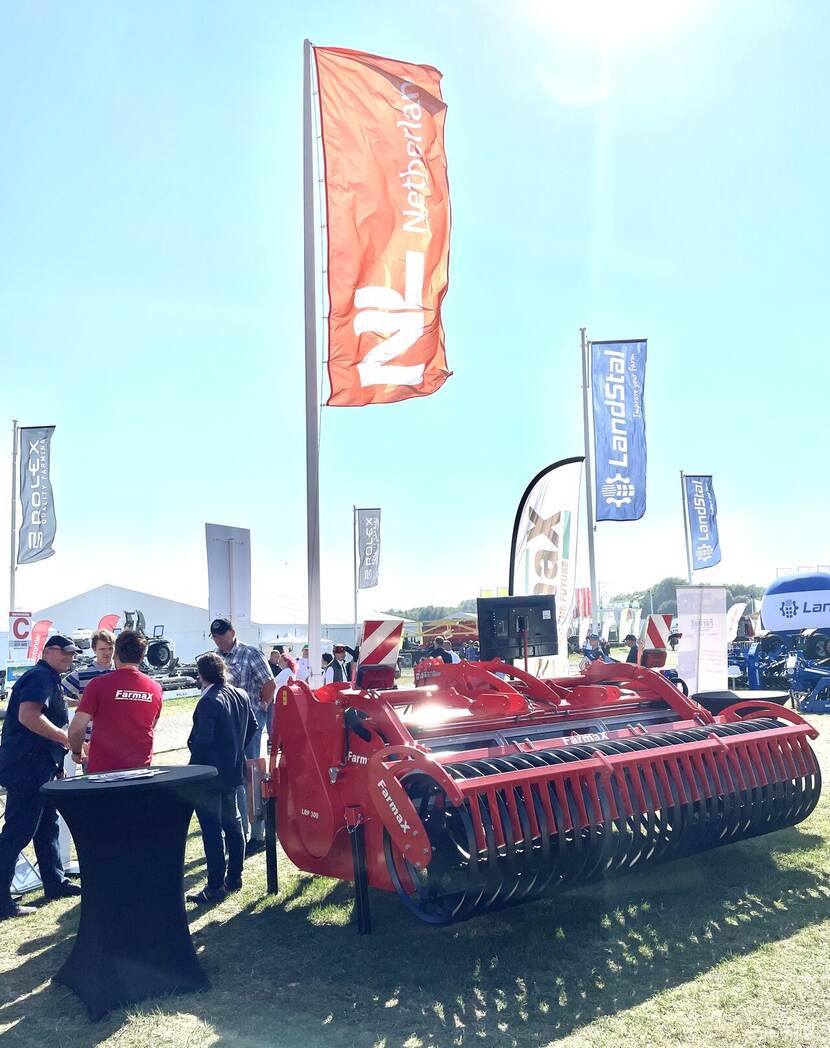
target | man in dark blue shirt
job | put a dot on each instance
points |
(32, 748)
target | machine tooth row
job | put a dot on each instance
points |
(484, 786)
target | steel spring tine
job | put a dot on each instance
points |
(627, 843)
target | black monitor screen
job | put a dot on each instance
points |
(503, 622)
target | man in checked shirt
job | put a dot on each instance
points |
(249, 670)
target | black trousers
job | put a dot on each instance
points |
(217, 814)
(29, 817)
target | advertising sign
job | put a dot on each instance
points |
(618, 371)
(701, 650)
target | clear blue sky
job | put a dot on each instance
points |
(659, 175)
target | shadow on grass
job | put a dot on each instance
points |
(290, 971)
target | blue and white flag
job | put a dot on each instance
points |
(37, 529)
(618, 372)
(702, 514)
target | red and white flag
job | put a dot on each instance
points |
(388, 218)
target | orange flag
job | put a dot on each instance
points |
(388, 209)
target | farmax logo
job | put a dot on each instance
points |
(133, 696)
(404, 825)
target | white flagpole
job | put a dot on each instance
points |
(13, 561)
(589, 479)
(312, 445)
(354, 537)
(686, 528)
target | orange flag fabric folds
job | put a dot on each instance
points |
(388, 214)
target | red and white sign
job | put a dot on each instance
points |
(380, 643)
(388, 218)
(583, 602)
(109, 622)
(655, 631)
(40, 631)
(20, 630)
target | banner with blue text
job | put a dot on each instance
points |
(702, 513)
(618, 372)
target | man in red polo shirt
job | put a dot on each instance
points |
(124, 706)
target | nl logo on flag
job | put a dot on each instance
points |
(618, 384)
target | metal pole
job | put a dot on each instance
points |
(589, 480)
(13, 561)
(312, 439)
(354, 542)
(686, 527)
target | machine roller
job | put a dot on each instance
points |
(484, 786)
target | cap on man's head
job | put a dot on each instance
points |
(220, 626)
(339, 647)
(64, 643)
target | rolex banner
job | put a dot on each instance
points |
(543, 550)
(368, 547)
(388, 219)
(702, 514)
(37, 527)
(618, 371)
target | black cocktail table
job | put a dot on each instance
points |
(133, 940)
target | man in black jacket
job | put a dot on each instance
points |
(223, 725)
(33, 746)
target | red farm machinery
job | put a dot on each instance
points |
(484, 786)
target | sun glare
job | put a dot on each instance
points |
(612, 23)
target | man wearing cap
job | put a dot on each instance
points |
(303, 665)
(338, 671)
(32, 749)
(249, 671)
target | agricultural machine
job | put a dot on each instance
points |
(793, 652)
(484, 786)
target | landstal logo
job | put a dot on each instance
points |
(617, 490)
(789, 609)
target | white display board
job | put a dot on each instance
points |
(701, 651)
(229, 574)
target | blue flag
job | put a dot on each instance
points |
(702, 513)
(618, 373)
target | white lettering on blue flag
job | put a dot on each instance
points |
(702, 512)
(618, 371)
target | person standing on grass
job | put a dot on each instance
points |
(303, 665)
(32, 750)
(223, 725)
(124, 706)
(73, 684)
(630, 642)
(249, 671)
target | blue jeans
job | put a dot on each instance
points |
(29, 817)
(217, 815)
(252, 751)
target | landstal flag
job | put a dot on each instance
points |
(388, 218)
(618, 371)
(38, 524)
(543, 550)
(702, 514)
(368, 547)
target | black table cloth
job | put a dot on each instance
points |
(133, 939)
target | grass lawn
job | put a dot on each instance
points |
(727, 948)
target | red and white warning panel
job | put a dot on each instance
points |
(655, 631)
(380, 642)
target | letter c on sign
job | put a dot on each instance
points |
(21, 627)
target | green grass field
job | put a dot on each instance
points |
(727, 948)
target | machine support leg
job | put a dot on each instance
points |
(272, 885)
(361, 881)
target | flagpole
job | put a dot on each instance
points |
(354, 557)
(589, 482)
(12, 563)
(686, 526)
(312, 438)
